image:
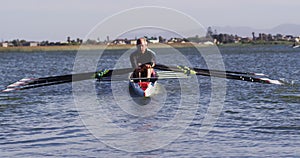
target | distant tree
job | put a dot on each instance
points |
(270, 37)
(92, 42)
(44, 43)
(161, 39)
(23, 42)
(78, 41)
(153, 38)
(279, 37)
(209, 32)
(126, 41)
(16, 42)
(215, 32)
(220, 38)
(185, 40)
(69, 39)
(195, 39)
(253, 36)
(260, 36)
(73, 42)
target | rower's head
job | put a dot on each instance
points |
(141, 45)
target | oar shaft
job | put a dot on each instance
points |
(52, 80)
(42, 85)
(174, 68)
(77, 77)
(218, 73)
(229, 72)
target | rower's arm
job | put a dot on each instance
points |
(133, 61)
(153, 60)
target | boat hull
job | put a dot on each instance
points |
(142, 89)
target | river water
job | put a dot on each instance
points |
(57, 121)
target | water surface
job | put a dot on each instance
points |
(256, 119)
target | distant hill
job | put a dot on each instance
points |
(244, 31)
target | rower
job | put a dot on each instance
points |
(141, 72)
(143, 58)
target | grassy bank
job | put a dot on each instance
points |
(113, 47)
(90, 47)
(50, 48)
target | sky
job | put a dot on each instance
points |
(54, 20)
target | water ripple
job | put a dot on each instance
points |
(257, 120)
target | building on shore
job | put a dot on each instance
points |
(4, 44)
(133, 41)
(153, 40)
(120, 41)
(31, 44)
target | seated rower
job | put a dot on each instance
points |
(144, 73)
(143, 58)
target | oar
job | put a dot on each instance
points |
(27, 83)
(218, 73)
(158, 66)
(8, 89)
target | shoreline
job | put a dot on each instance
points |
(93, 47)
(73, 48)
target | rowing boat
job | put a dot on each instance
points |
(142, 87)
(146, 87)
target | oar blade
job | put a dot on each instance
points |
(270, 81)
